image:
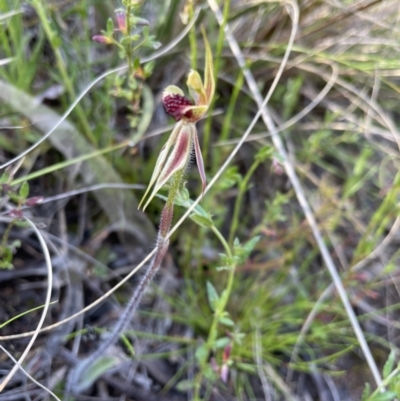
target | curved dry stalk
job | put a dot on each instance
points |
(302, 113)
(379, 249)
(28, 375)
(290, 171)
(45, 309)
(154, 56)
(89, 307)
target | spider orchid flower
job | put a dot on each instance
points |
(175, 154)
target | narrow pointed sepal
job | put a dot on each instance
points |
(161, 160)
(209, 80)
(199, 160)
(177, 160)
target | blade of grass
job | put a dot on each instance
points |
(290, 171)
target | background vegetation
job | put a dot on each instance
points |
(246, 307)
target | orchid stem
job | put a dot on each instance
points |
(126, 317)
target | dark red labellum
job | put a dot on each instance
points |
(175, 105)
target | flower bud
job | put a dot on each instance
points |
(16, 213)
(224, 373)
(34, 200)
(102, 39)
(277, 167)
(121, 21)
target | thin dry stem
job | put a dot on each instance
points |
(28, 375)
(123, 321)
(290, 171)
(45, 308)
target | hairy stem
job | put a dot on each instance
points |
(126, 317)
(73, 380)
(167, 213)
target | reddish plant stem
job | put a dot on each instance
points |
(126, 317)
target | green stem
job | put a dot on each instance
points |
(52, 38)
(219, 310)
(66, 163)
(227, 124)
(129, 48)
(7, 234)
(192, 39)
(220, 45)
(238, 202)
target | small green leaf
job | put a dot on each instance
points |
(139, 21)
(185, 385)
(24, 190)
(366, 393)
(201, 354)
(202, 221)
(4, 178)
(212, 296)
(222, 342)
(264, 153)
(149, 68)
(387, 369)
(136, 63)
(242, 252)
(110, 26)
(13, 196)
(386, 396)
(230, 178)
(89, 376)
(56, 41)
(226, 321)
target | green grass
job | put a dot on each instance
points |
(223, 306)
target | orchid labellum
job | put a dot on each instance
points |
(175, 154)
